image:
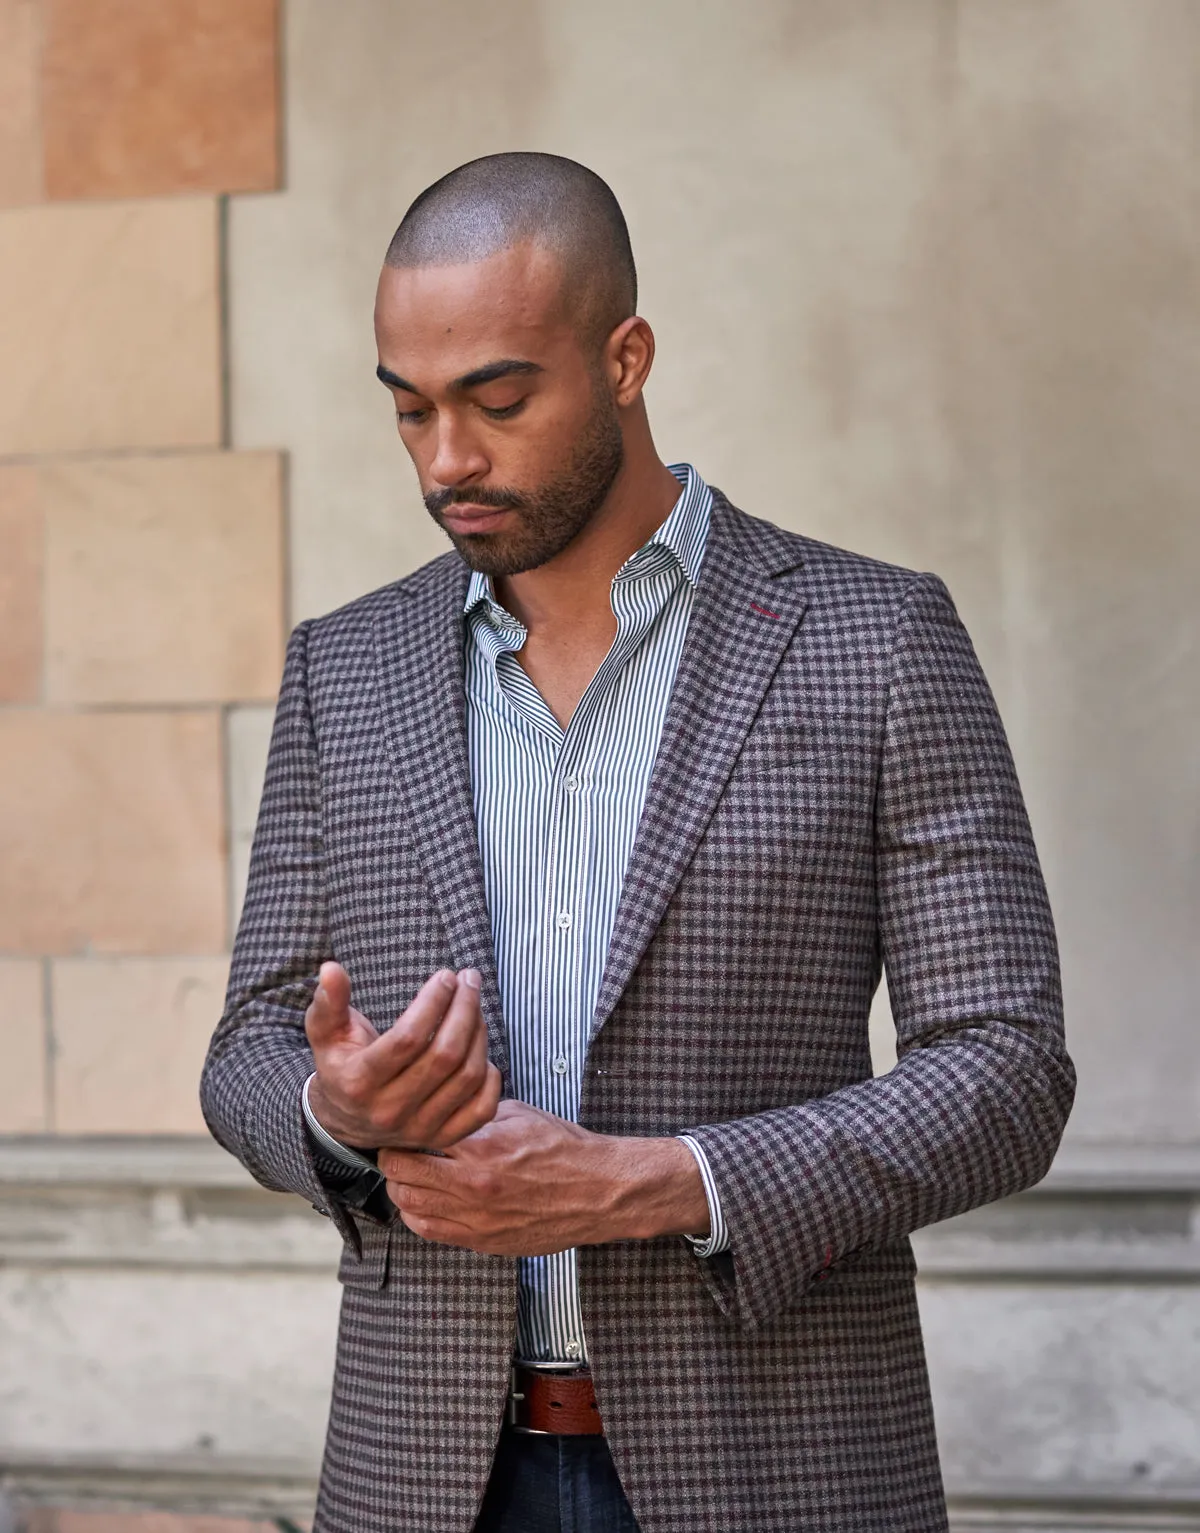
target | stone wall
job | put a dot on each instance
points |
(142, 609)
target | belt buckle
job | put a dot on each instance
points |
(514, 1394)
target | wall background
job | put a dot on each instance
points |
(925, 283)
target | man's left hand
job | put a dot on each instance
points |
(528, 1183)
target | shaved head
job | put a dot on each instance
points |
(504, 200)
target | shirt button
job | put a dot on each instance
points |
(560, 1066)
(573, 1349)
(571, 784)
(564, 920)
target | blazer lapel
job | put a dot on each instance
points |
(745, 612)
(419, 639)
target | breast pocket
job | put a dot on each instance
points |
(771, 749)
(798, 807)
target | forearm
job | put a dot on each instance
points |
(250, 1093)
(648, 1188)
(259, 1056)
(960, 1122)
(529, 1183)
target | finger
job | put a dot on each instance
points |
(426, 1124)
(413, 1168)
(424, 1202)
(329, 1014)
(441, 1232)
(412, 1032)
(431, 1039)
(472, 1115)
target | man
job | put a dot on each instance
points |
(617, 809)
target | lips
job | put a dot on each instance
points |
(469, 518)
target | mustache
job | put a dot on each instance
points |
(438, 501)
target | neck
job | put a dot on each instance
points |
(574, 587)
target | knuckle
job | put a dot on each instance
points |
(474, 1078)
(445, 1054)
(353, 1083)
(410, 1028)
(404, 1042)
(486, 1183)
(377, 1119)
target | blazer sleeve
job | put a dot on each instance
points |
(976, 1105)
(259, 1058)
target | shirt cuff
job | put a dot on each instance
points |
(717, 1239)
(327, 1142)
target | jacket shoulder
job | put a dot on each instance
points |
(826, 566)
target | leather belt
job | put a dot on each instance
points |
(553, 1403)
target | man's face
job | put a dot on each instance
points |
(510, 424)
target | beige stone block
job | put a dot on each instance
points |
(23, 1040)
(164, 578)
(130, 1036)
(112, 832)
(20, 584)
(110, 319)
(248, 739)
(141, 98)
(20, 135)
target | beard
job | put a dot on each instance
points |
(551, 516)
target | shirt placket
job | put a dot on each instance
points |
(572, 851)
(569, 959)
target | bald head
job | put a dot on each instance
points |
(504, 200)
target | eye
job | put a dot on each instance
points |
(504, 412)
(412, 417)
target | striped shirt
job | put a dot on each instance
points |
(557, 812)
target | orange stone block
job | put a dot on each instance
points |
(20, 136)
(109, 326)
(113, 832)
(20, 584)
(141, 98)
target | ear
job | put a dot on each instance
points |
(628, 358)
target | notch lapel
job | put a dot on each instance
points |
(419, 643)
(745, 612)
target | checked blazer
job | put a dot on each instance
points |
(833, 793)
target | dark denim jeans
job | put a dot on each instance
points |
(554, 1485)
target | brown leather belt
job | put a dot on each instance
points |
(562, 1404)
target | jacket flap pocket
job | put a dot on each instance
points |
(371, 1268)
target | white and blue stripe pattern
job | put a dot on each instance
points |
(557, 811)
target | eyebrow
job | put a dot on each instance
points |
(507, 367)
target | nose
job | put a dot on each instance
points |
(457, 459)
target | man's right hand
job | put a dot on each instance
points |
(426, 1083)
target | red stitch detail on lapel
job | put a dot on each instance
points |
(829, 1256)
(766, 611)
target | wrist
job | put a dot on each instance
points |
(318, 1105)
(654, 1188)
(328, 1118)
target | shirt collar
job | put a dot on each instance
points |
(684, 534)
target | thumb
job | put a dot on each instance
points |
(329, 1013)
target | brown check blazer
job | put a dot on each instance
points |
(833, 793)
